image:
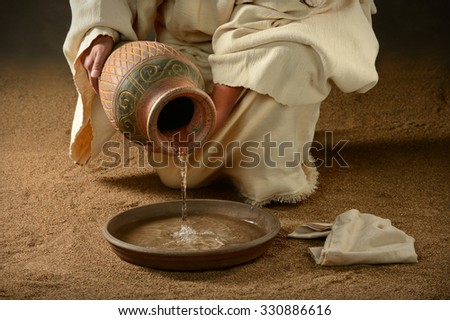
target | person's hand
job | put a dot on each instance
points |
(94, 57)
(224, 98)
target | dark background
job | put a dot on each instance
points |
(35, 30)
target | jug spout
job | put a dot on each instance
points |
(176, 115)
(153, 94)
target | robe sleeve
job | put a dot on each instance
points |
(293, 51)
(120, 19)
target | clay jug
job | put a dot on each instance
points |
(153, 94)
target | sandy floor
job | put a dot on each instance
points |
(398, 168)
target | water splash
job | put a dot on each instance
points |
(188, 235)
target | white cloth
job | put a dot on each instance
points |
(265, 43)
(363, 238)
(284, 51)
(311, 230)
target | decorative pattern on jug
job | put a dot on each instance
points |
(133, 69)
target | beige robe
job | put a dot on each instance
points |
(286, 53)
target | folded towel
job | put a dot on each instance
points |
(362, 238)
(311, 230)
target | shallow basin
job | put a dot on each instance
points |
(128, 232)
